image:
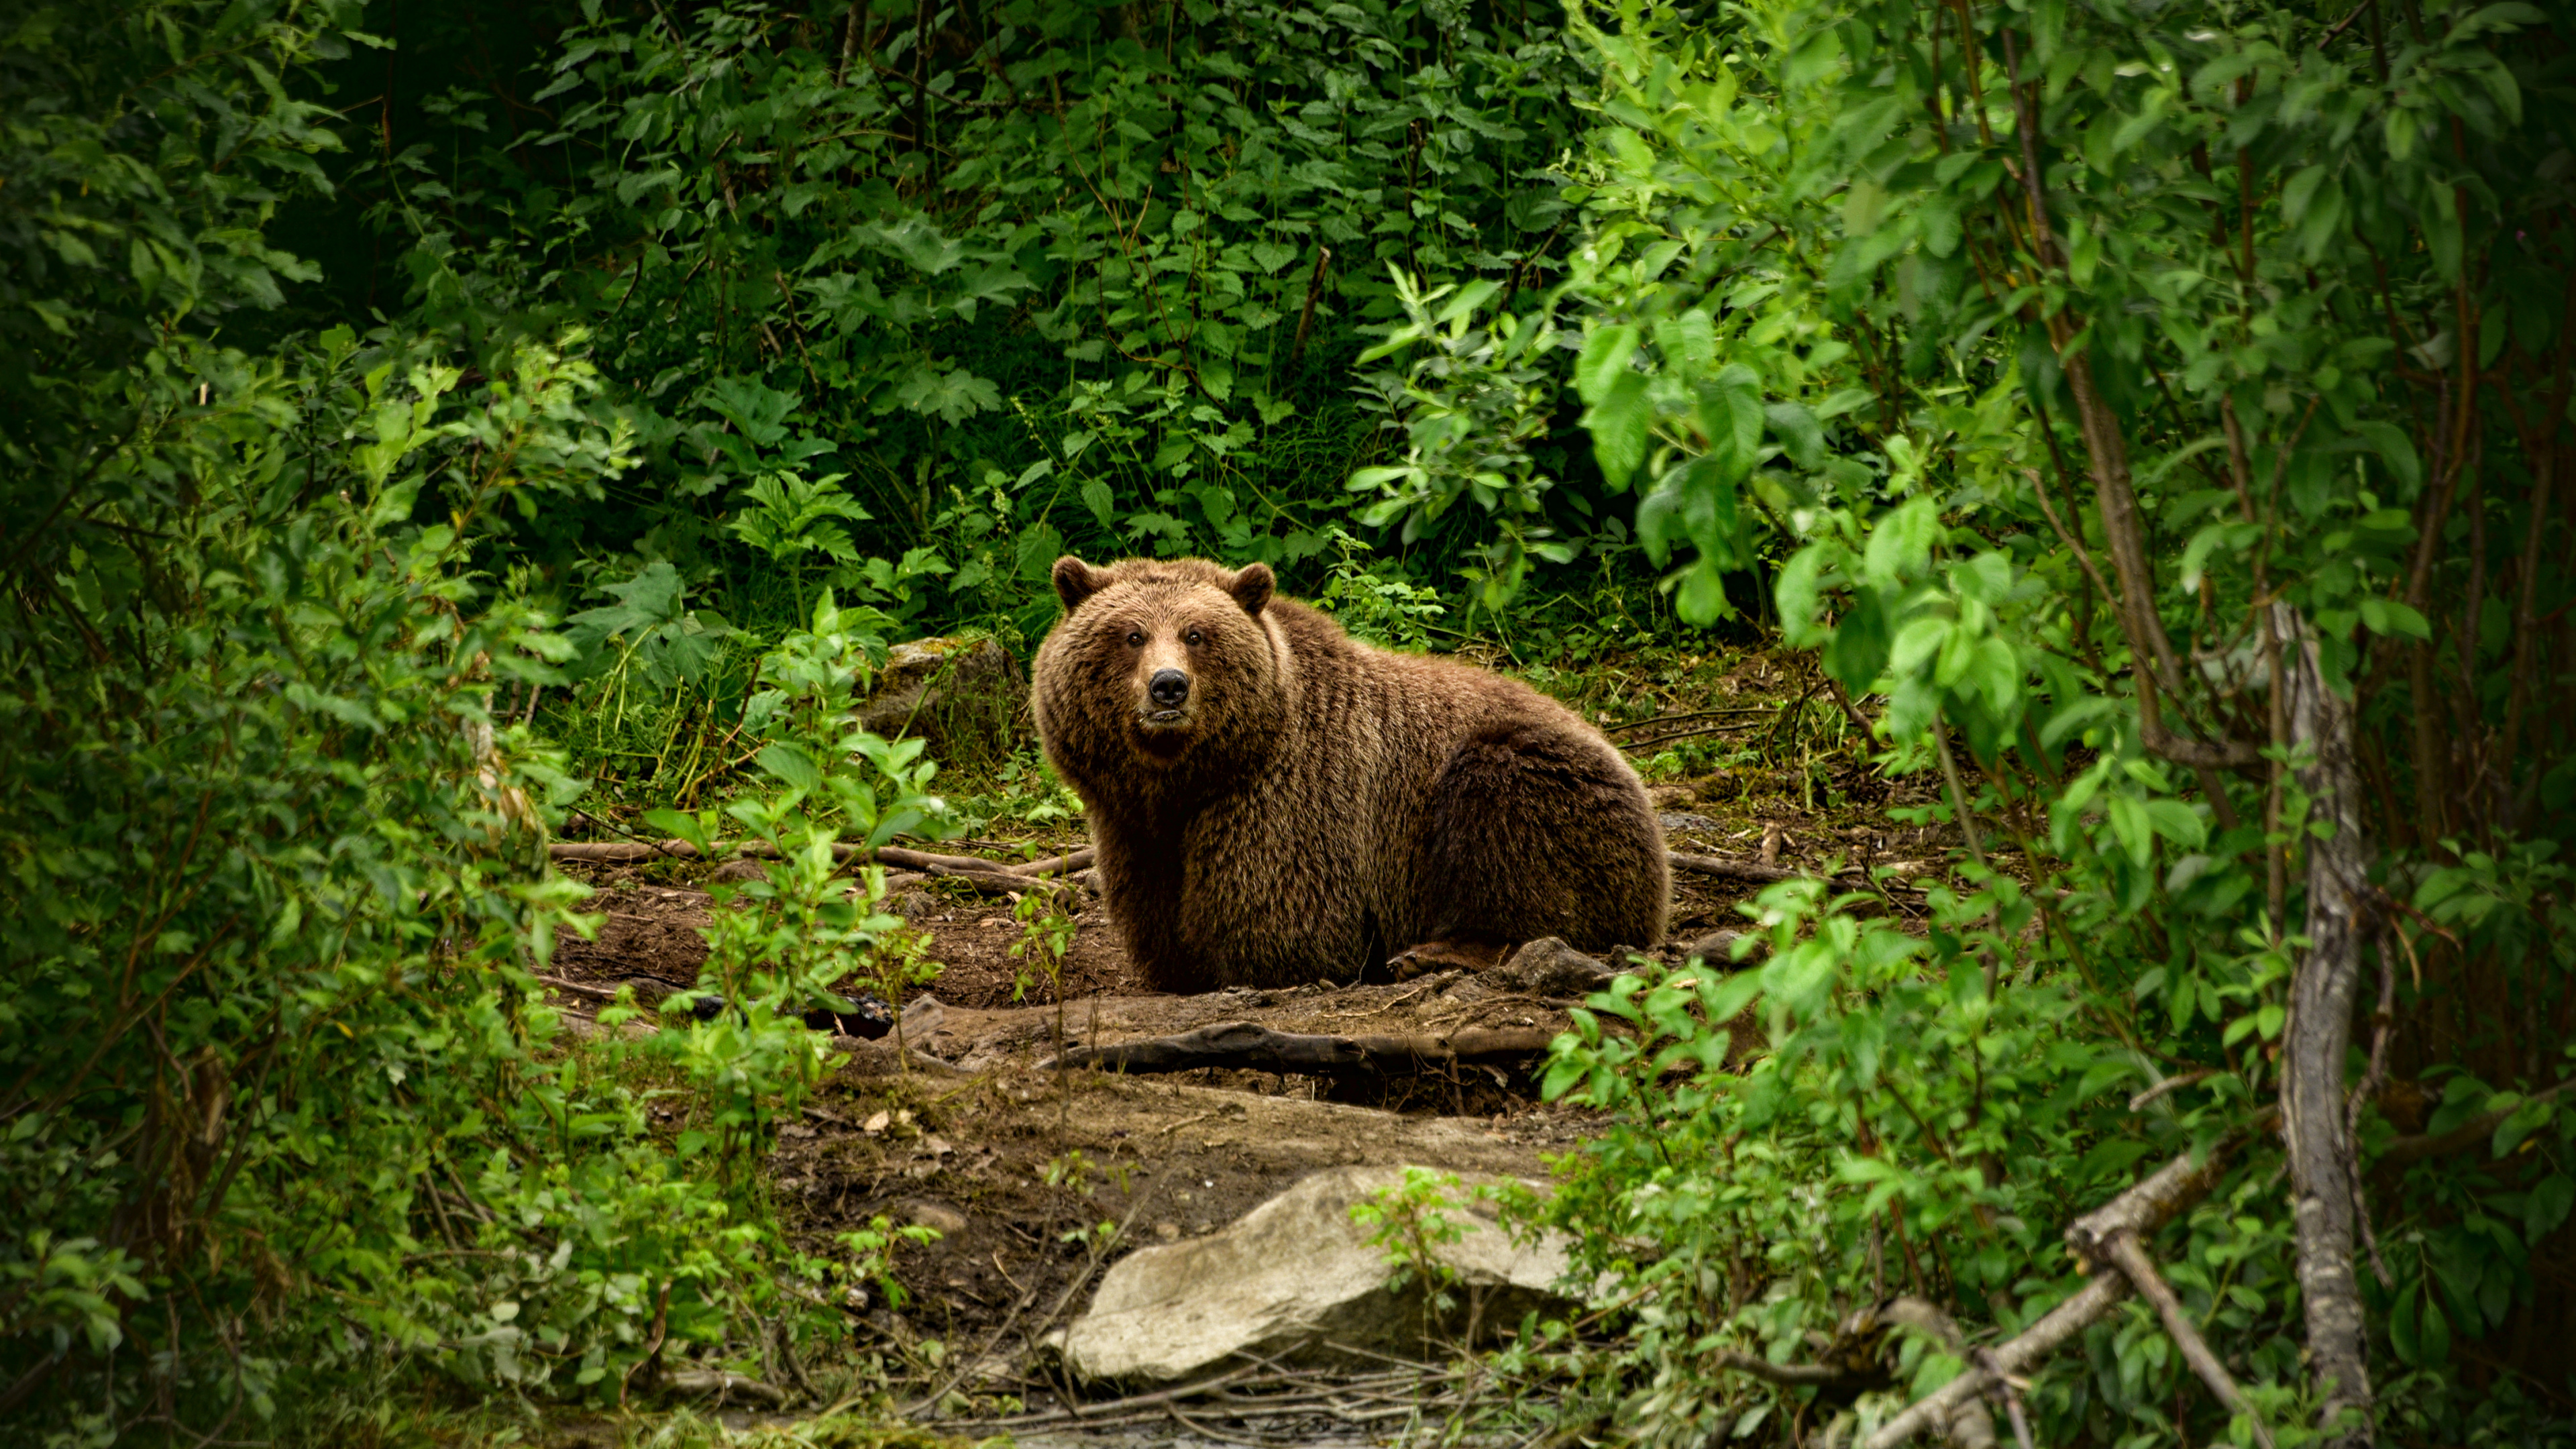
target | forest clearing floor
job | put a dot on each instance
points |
(1035, 1177)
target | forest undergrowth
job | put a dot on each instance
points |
(2114, 447)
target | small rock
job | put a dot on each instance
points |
(1549, 967)
(921, 1019)
(1716, 948)
(737, 870)
(936, 687)
(1168, 1232)
(877, 1123)
(1682, 822)
(1671, 797)
(939, 1217)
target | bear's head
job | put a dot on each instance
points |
(1169, 664)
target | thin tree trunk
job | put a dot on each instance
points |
(2318, 1035)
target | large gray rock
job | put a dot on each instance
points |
(1295, 1280)
(942, 689)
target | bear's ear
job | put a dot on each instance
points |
(1252, 588)
(1075, 582)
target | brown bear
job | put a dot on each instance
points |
(1275, 803)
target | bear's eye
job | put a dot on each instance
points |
(1196, 638)
(1135, 640)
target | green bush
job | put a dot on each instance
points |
(2280, 293)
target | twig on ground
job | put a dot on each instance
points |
(1094, 1413)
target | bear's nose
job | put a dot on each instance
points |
(1168, 688)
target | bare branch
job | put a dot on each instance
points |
(2125, 1254)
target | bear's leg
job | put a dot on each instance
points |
(1530, 833)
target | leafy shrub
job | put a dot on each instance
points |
(1878, 286)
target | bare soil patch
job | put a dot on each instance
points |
(1018, 1165)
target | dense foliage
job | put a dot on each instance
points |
(2149, 414)
(2285, 296)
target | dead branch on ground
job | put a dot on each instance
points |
(1249, 1046)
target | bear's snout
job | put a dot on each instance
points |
(1168, 689)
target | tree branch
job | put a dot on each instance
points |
(2125, 1253)
(2137, 1213)
(2407, 1151)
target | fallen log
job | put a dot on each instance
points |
(989, 875)
(994, 881)
(1065, 865)
(1250, 1046)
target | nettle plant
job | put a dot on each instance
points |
(2162, 409)
(784, 942)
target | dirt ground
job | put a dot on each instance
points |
(1019, 1165)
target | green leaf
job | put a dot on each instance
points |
(2387, 616)
(2547, 1206)
(791, 766)
(2395, 449)
(1862, 640)
(2130, 824)
(1801, 436)
(681, 825)
(1603, 360)
(1621, 423)
(1900, 546)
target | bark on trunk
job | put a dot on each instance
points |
(2317, 1037)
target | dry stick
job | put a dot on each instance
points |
(2125, 1253)
(577, 988)
(2139, 1102)
(1711, 865)
(1958, 796)
(1058, 864)
(723, 1385)
(2052, 1331)
(990, 876)
(1788, 1375)
(1985, 1359)
(1690, 734)
(2319, 1031)
(2138, 1212)
(1844, 703)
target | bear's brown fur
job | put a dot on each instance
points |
(1314, 805)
